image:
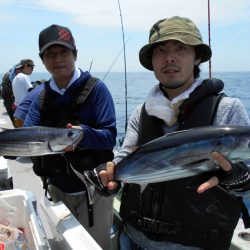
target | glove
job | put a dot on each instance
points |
(93, 177)
(237, 179)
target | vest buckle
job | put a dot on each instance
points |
(156, 226)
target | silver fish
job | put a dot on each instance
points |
(38, 140)
(184, 153)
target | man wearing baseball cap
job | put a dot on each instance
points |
(21, 84)
(73, 98)
(196, 212)
(7, 92)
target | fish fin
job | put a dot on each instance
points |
(143, 186)
(134, 148)
(3, 129)
(89, 186)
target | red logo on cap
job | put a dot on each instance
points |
(64, 35)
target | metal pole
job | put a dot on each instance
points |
(209, 40)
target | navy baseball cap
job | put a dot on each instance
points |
(56, 34)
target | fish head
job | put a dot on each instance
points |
(241, 151)
(64, 138)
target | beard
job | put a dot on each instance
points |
(173, 85)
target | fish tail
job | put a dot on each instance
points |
(92, 177)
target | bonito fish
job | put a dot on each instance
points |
(184, 153)
(37, 141)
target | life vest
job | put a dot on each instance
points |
(57, 168)
(174, 211)
(7, 92)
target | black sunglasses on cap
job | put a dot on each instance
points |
(29, 65)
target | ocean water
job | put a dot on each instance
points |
(236, 84)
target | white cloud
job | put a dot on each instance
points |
(26, 18)
(142, 14)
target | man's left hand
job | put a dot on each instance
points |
(224, 164)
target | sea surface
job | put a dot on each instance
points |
(138, 84)
(236, 84)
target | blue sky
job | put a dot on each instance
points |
(96, 27)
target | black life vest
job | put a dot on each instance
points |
(7, 92)
(54, 113)
(174, 211)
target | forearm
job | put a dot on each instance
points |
(131, 137)
(104, 138)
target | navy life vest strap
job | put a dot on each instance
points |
(87, 88)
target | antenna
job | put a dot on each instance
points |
(209, 40)
(125, 68)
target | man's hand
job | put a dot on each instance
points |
(71, 147)
(69, 125)
(225, 166)
(107, 176)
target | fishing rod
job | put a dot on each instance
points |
(209, 40)
(125, 68)
(90, 65)
(113, 63)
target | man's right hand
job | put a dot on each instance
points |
(107, 176)
(18, 123)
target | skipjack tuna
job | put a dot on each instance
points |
(184, 153)
(38, 140)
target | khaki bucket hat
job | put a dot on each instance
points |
(176, 28)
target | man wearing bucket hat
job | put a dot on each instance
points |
(193, 212)
(73, 97)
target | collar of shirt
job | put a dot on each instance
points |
(158, 105)
(54, 86)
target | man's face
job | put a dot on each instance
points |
(173, 63)
(59, 61)
(28, 69)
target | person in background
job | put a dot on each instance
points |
(21, 84)
(23, 108)
(7, 93)
(73, 97)
(197, 212)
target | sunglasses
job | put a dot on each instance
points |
(31, 66)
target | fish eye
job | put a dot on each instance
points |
(70, 133)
